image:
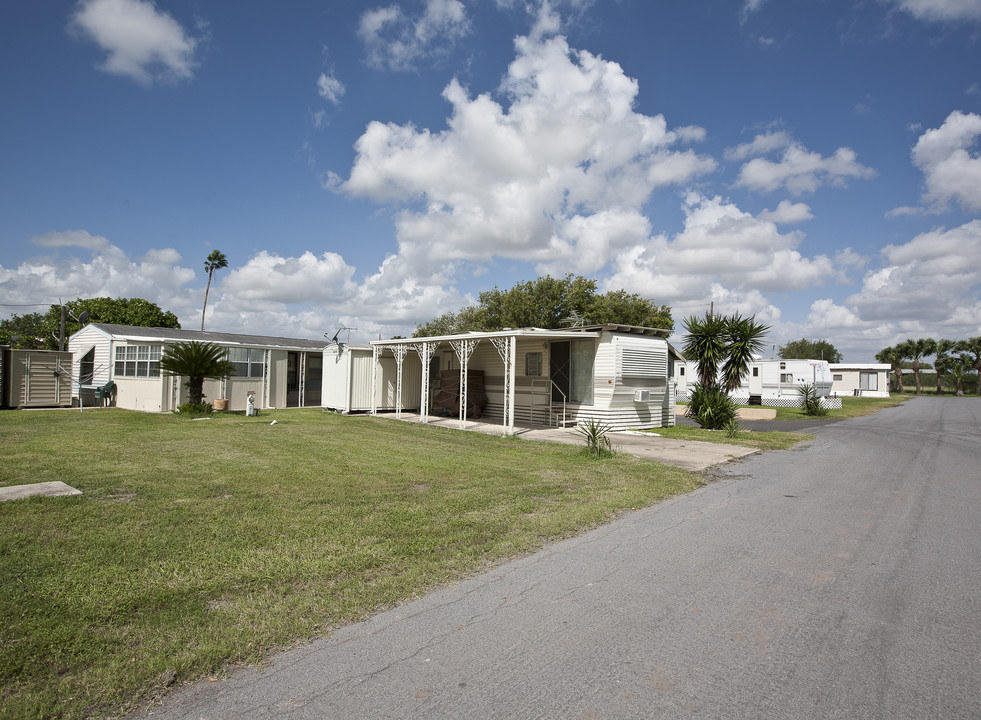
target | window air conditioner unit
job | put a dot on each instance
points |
(642, 395)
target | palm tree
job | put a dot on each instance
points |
(705, 344)
(942, 361)
(215, 261)
(915, 350)
(721, 346)
(744, 339)
(959, 366)
(973, 346)
(894, 356)
(196, 361)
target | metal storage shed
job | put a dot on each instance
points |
(347, 381)
(35, 378)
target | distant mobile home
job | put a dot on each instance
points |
(615, 374)
(861, 379)
(35, 378)
(278, 372)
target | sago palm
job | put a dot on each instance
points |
(196, 361)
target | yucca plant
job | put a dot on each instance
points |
(812, 403)
(594, 432)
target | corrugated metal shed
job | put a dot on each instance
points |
(36, 378)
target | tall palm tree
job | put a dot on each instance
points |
(215, 261)
(915, 350)
(744, 339)
(723, 347)
(941, 360)
(705, 344)
(973, 347)
(196, 361)
(894, 356)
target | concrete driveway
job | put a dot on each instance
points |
(687, 454)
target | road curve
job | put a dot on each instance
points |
(841, 579)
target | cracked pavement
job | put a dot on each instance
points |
(838, 579)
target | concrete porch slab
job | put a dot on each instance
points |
(47, 489)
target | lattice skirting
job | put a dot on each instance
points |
(830, 403)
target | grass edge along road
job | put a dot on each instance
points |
(199, 544)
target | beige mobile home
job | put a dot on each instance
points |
(35, 378)
(277, 372)
(616, 374)
(865, 379)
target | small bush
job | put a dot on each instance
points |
(711, 408)
(597, 443)
(195, 409)
(811, 401)
(732, 428)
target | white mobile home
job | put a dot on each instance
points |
(616, 374)
(277, 372)
(865, 379)
(769, 382)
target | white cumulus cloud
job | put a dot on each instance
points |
(797, 169)
(557, 176)
(952, 172)
(140, 41)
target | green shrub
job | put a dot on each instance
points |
(195, 409)
(711, 408)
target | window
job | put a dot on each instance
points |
(137, 361)
(756, 372)
(786, 377)
(681, 371)
(868, 381)
(247, 361)
(533, 364)
(836, 378)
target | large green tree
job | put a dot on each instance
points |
(805, 349)
(196, 361)
(550, 303)
(41, 332)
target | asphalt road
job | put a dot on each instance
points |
(841, 579)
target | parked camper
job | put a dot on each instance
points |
(769, 382)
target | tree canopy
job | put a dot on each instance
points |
(35, 331)
(805, 349)
(550, 303)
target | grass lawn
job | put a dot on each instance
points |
(850, 407)
(199, 544)
(770, 440)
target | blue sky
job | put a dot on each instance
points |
(374, 165)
